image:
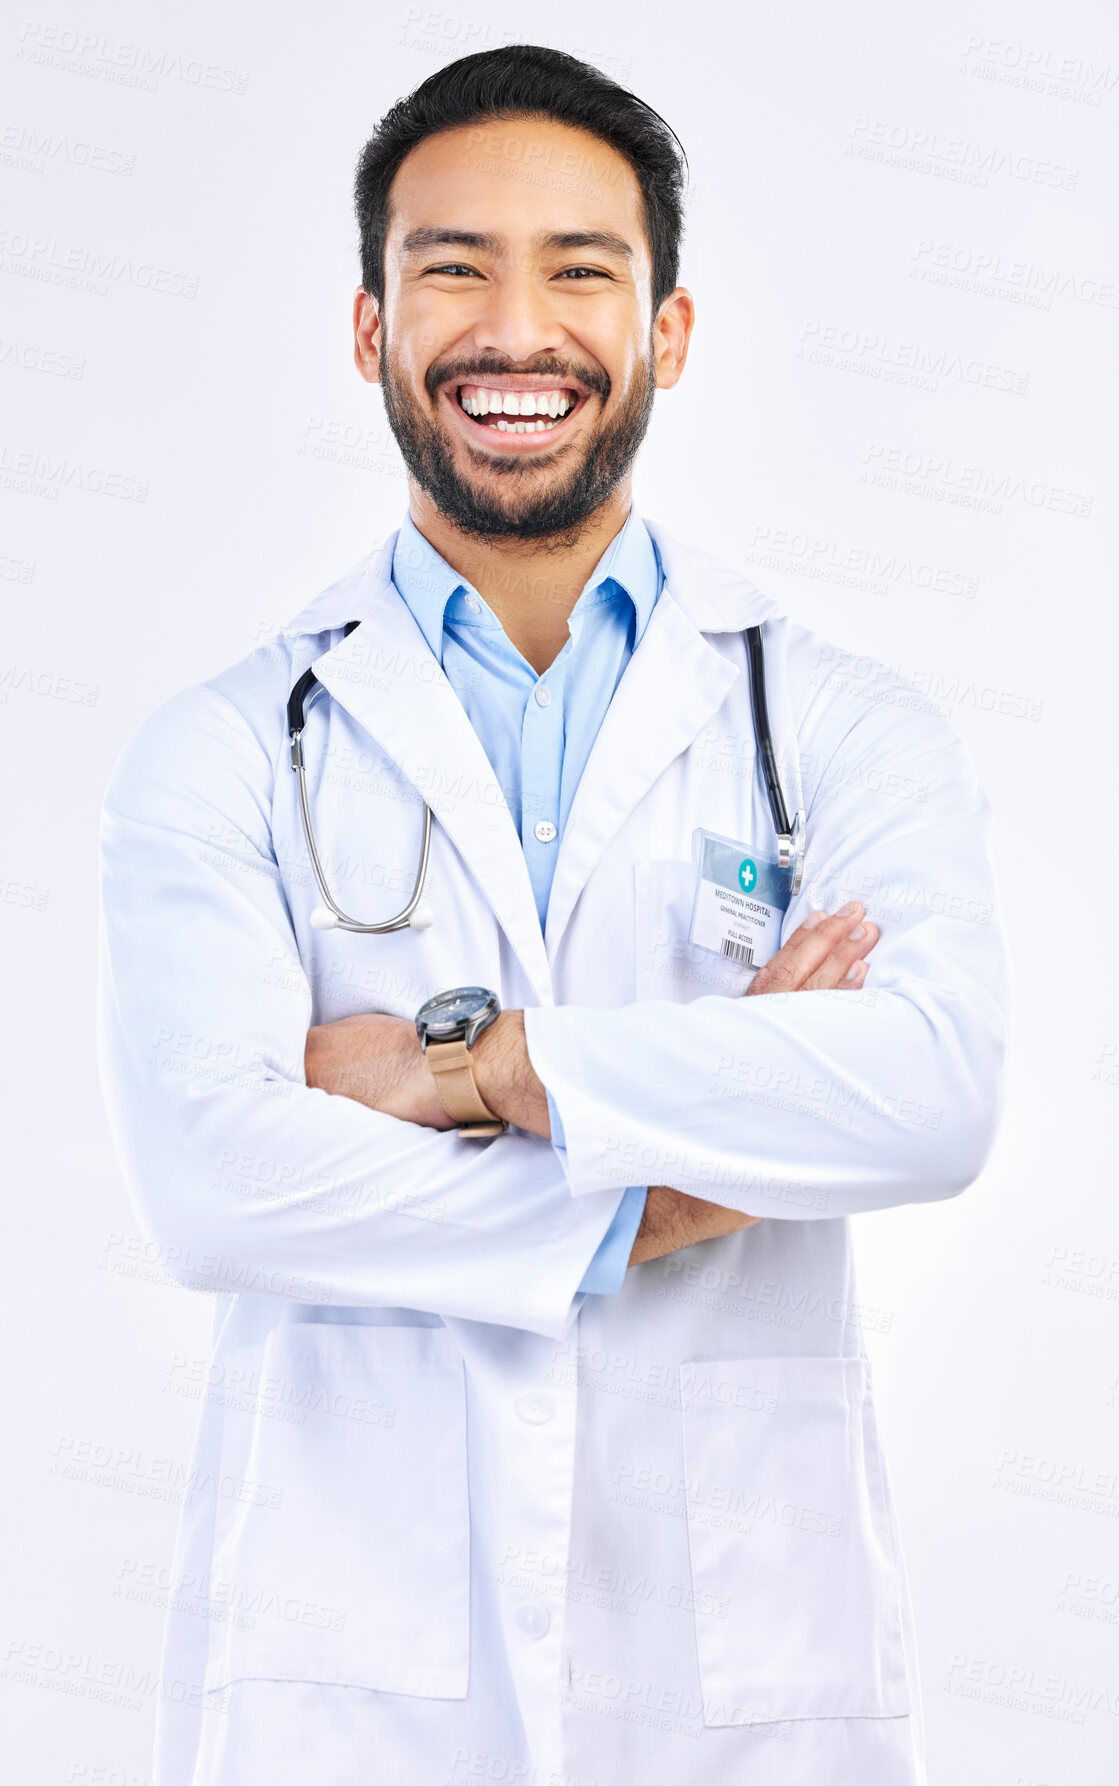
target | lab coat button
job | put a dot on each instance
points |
(544, 831)
(543, 695)
(535, 1409)
(532, 1619)
(473, 604)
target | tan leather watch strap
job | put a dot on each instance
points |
(454, 1081)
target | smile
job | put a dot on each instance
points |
(523, 414)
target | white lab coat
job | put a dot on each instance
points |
(447, 1520)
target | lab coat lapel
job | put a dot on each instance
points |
(385, 675)
(674, 682)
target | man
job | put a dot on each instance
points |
(539, 1442)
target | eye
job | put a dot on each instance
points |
(453, 269)
(583, 273)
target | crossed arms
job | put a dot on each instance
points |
(377, 1061)
(267, 1159)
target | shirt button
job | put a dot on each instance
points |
(543, 695)
(535, 1409)
(544, 831)
(533, 1619)
(473, 604)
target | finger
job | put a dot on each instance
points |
(849, 953)
(807, 950)
(819, 958)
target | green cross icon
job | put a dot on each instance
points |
(747, 875)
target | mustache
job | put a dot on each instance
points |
(473, 371)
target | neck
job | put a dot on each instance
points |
(531, 585)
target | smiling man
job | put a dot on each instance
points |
(509, 1077)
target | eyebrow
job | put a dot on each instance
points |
(590, 238)
(438, 236)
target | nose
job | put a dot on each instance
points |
(518, 320)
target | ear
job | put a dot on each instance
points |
(367, 336)
(672, 332)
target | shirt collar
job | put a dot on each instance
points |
(630, 565)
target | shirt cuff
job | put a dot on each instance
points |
(606, 1272)
(556, 1124)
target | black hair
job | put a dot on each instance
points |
(525, 80)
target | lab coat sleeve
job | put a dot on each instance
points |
(820, 1104)
(246, 1177)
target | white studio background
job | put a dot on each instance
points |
(902, 252)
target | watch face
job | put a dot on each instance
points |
(449, 1012)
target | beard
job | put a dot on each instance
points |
(526, 504)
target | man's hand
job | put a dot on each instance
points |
(376, 1060)
(823, 955)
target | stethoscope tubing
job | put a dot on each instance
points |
(763, 732)
(342, 922)
(790, 838)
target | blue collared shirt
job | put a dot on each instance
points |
(537, 731)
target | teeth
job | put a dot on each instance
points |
(518, 403)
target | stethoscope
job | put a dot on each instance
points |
(417, 916)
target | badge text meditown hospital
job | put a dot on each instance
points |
(741, 897)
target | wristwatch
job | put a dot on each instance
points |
(448, 1026)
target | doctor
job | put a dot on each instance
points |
(547, 1454)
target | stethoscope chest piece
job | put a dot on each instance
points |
(790, 852)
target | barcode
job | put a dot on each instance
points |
(738, 951)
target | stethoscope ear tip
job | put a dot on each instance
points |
(322, 918)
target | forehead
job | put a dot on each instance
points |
(517, 178)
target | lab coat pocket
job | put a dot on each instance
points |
(667, 964)
(352, 1567)
(790, 1530)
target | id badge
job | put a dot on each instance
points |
(741, 897)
